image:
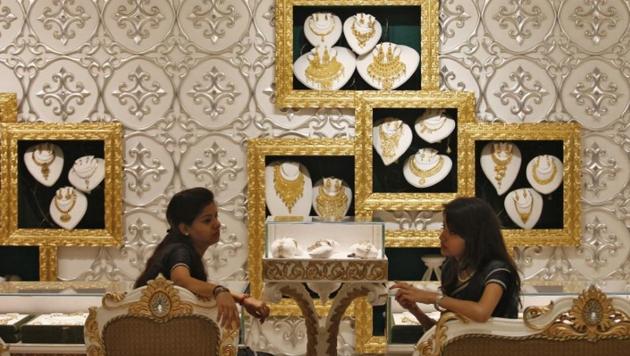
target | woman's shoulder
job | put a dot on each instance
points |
(495, 266)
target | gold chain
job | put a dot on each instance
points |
(424, 174)
(324, 71)
(86, 178)
(524, 215)
(322, 35)
(425, 128)
(500, 165)
(544, 181)
(331, 206)
(44, 164)
(65, 216)
(362, 38)
(289, 191)
(389, 143)
(386, 67)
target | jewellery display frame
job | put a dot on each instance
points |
(562, 140)
(8, 107)
(288, 48)
(370, 200)
(19, 232)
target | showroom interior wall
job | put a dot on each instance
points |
(192, 80)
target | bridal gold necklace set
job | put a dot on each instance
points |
(386, 67)
(312, 24)
(45, 161)
(550, 164)
(289, 191)
(331, 206)
(500, 165)
(363, 37)
(324, 70)
(389, 141)
(521, 207)
(423, 174)
(65, 203)
(425, 126)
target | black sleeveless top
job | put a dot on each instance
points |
(471, 289)
(173, 255)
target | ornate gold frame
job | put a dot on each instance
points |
(370, 202)
(111, 135)
(8, 107)
(569, 134)
(286, 96)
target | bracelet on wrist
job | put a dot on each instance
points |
(438, 299)
(241, 300)
(219, 289)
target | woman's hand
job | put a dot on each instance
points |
(256, 308)
(228, 314)
(408, 294)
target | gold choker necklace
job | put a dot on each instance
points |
(390, 143)
(500, 165)
(322, 35)
(289, 191)
(363, 37)
(386, 67)
(331, 206)
(524, 215)
(423, 174)
(65, 213)
(554, 170)
(45, 163)
(324, 71)
(425, 128)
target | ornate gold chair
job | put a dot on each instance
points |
(158, 319)
(591, 324)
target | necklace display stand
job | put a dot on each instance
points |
(524, 207)
(426, 168)
(500, 162)
(68, 207)
(325, 68)
(434, 126)
(322, 28)
(86, 173)
(391, 139)
(288, 189)
(545, 173)
(388, 66)
(331, 198)
(45, 162)
(362, 32)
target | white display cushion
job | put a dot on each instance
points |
(545, 173)
(388, 65)
(322, 28)
(87, 173)
(11, 318)
(387, 130)
(331, 198)
(426, 168)
(325, 68)
(68, 207)
(434, 125)
(285, 247)
(74, 319)
(362, 32)
(45, 162)
(524, 206)
(289, 202)
(502, 175)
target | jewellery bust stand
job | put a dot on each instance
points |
(331, 198)
(426, 168)
(68, 207)
(434, 126)
(322, 28)
(500, 162)
(524, 207)
(288, 189)
(325, 68)
(362, 32)
(388, 66)
(87, 173)
(391, 139)
(545, 173)
(45, 162)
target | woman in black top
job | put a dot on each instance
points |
(479, 278)
(194, 226)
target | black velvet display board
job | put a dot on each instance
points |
(21, 261)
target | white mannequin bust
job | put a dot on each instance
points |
(295, 185)
(322, 28)
(362, 32)
(545, 173)
(325, 68)
(388, 66)
(86, 173)
(44, 161)
(331, 198)
(524, 207)
(434, 126)
(68, 207)
(426, 168)
(500, 162)
(391, 139)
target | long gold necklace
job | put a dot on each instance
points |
(544, 181)
(323, 71)
(423, 174)
(386, 67)
(425, 128)
(65, 213)
(46, 162)
(327, 17)
(289, 191)
(331, 206)
(500, 165)
(524, 215)
(389, 143)
(363, 37)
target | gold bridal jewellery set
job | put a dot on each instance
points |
(65, 204)
(521, 207)
(86, 170)
(500, 165)
(315, 19)
(386, 67)
(44, 156)
(289, 191)
(389, 141)
(325, 70)
(550, 164)
(331, 206)
(423, 174)
(425, 126)
(363, 37)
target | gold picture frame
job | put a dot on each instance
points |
(111, 136)
(570, 137)
(371, 202)
(287, 96)
(8, 107)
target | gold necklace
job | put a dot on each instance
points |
(87, 174)
(324, 71)
(524, 215)
(425, 128)
(363, 37)
(289, 191)
(500, 165)
(331, 206)
(65, 216)
(389, 143)
(322, 35)
(422, 173)
(44, 164)
(544, 181)
(386, 67)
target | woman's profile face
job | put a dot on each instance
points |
(451, 244)
(206, 228)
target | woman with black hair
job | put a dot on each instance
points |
(479, 278)
(194, 226)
